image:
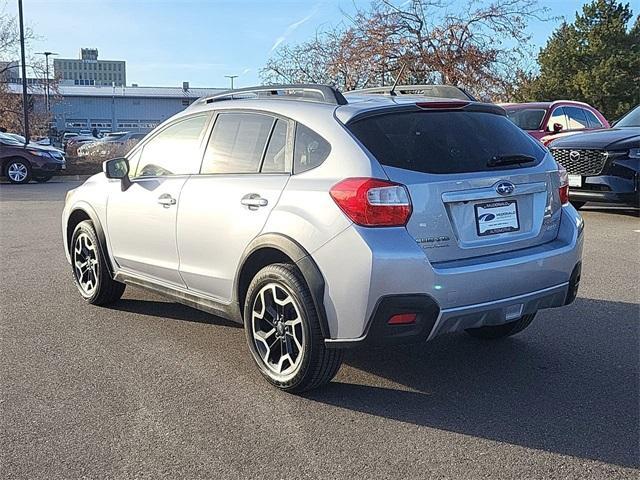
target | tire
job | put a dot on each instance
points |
(577, 205)
(93, 281)
(493, 332)
(18, 171)
(43, 178)
(279, 313)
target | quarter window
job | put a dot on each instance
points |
(593, 120)
(175, 150)
(237, 143)
(310, 149)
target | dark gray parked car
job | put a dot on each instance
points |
(20, 163)
(603, 166)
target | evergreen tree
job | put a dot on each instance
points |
(595, 59)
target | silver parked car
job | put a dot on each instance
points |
(323, 223)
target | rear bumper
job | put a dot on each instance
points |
(48, 168)
(431, 321)
(620, 185)
(624, 198)
(467, 293)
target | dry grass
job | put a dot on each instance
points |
(92, 163)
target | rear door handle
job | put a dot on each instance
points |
(253, 201)
(166, 200)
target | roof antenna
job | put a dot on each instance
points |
(392, 92)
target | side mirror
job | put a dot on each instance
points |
(557, 128)
(118, 168)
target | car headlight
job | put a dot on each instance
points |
(39, 153)
(634, 153)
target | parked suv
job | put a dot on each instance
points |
(322, 223)
(547, 121)
(110, 143)
(20, 163)
(603, 166)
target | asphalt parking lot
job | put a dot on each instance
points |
(153, 389)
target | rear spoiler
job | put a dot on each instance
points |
(452, 105)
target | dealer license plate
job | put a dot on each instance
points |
(497, 217)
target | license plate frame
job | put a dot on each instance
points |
(506, 218)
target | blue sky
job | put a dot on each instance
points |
(165, 42)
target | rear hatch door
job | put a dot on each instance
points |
(478, 184)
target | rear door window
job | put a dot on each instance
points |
(443, 142)
(276, 157)
(576, 118)
(237, 143)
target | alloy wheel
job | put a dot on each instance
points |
(277, 330)
(17, 172)
(85, 264)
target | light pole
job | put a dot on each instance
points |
(231, 77)
(25, 107)
(46, 63)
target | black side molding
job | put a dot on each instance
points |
(84, 209)
(308, 267)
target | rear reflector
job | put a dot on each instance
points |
(371, 202)
(402, 319)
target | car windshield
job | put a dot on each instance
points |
(631, 119)
(527, 118)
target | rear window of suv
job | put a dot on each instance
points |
(444, 141)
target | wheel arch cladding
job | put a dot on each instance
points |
(277, 248)
(79, 215)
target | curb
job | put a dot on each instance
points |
(71, 178)
(58, 178)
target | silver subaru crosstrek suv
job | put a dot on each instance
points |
(322, 223)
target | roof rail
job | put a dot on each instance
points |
(306, 92)
(422, 90)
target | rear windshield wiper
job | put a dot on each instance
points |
(500, 160)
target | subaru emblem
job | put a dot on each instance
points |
(505, 188)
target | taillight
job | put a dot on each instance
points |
(371, 202)
(563, 191)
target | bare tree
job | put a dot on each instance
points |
(11, 111)
(481, 46)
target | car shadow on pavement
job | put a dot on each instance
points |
(169, 309)
(614, 210)
(568, 384)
